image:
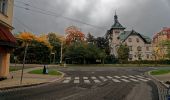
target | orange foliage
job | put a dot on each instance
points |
(27, 36)
(74, 34)
(44, 39)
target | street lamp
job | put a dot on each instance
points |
(61, 56)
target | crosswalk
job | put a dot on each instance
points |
(99, 79)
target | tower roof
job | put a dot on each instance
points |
(116, 24)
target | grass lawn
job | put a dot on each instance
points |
(160, 72)
(13, 68)
(50, 72)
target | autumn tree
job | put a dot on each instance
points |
(73, 34)
(166, 48)
(38, 49)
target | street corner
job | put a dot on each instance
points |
(160, 77)
(29, 80)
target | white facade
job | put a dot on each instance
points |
(138, 49)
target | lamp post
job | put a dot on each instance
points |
(61, 56)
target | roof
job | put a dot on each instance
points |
(116, 24)
(6, 37)
(123, 36)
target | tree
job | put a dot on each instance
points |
(55, 42)
(90, 38)
(75, 52)
(166, 48)
(103, 43)
(38, 50)
(123, 53)
(83, 53)
(73, 34)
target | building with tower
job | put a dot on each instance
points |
(139, 45)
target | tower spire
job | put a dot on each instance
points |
(115, 17)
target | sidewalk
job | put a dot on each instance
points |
(28, 79)
(160, 80)
(163, 78)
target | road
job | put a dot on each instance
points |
(91, 83)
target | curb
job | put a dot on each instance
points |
(166, 85)
(22, 86)
(33, 85)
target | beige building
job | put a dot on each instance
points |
(139, 45)
(7, 40)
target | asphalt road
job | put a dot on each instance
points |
(91, 83)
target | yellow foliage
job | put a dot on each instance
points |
(27, 36)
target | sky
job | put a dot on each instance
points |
(95, 16)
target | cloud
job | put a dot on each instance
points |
(145, 16)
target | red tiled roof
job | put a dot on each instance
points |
(6, 37)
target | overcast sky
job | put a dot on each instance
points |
(144, 16)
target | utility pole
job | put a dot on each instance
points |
(25, 52)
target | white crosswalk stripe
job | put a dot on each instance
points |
(77, 78)
(96, 81)
(115, 80)
(76, 81)
(93, 77)
(99, 79)
(125, 80)
(132, 76)
(66, 81)
(139, 76)
(85, 78)
(133, 80)
(124, 76)
(87, 81)
(102, 78)
(117, 77)
(109, 77)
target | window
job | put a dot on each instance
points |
(117, 31)
(130, 39)
(139, 48)
(3, 6)
(130, 56)
(137, 39)
(147, 56)
(147, 48)
(130, 48)
(139, 57)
